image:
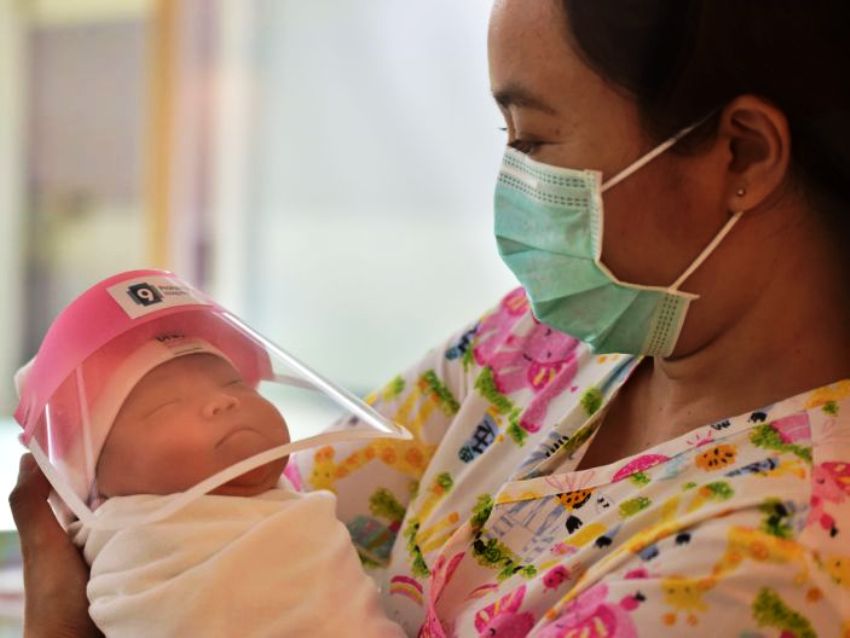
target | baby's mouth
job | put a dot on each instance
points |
(237, 430)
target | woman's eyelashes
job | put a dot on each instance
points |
(525, 146)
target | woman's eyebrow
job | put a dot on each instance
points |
(520, 96)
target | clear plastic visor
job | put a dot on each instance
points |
(190, 404)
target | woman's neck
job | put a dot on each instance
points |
(792, 336)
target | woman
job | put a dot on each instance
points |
(696, 482)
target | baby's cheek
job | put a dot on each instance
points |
(181, 466)
(275, 424)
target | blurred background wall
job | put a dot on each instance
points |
(325, 167)
(372, 155)
(12, 186)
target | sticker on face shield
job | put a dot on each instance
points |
(139, 297)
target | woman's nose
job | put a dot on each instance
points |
(220, 404)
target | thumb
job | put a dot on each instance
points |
(28, 500)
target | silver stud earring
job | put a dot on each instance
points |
(741, 192)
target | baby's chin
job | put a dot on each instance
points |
(260, 479)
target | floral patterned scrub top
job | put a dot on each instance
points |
(481, 526)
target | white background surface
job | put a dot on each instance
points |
(10, 453)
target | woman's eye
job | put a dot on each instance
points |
(525, 146)
(522, 145)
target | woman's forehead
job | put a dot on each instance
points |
(532, 63)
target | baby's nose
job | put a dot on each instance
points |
(220, 404)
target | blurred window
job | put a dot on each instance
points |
(356, 225)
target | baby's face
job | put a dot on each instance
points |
(184, 421)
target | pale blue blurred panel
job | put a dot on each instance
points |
(373, 155)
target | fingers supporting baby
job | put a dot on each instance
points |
(28, 501)
(55, 574)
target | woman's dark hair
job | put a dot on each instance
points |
(682, 59)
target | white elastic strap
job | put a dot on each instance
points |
(646, 159)
(180, 500)
(706, 253)
(68, 496)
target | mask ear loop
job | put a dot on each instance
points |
(646, 159)
(706, 252)
(658, 150)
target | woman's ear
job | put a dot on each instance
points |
(759, 143)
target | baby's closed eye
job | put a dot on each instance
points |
(156, 408)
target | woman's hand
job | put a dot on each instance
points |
(55, 575)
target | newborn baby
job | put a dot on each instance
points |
(253, 558)
(184, 421)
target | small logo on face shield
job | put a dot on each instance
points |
(144, 294)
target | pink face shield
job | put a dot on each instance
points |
(108, 350)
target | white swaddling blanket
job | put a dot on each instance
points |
(277, 564)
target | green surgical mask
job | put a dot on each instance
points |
(549, 225)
